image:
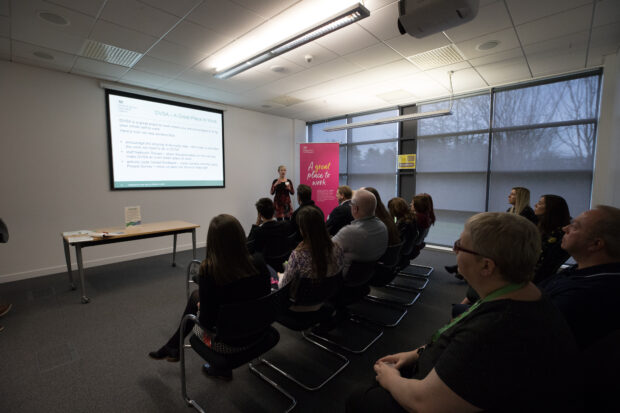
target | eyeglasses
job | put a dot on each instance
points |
(457, 248)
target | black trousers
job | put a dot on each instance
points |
(375, 398)
(190, 308)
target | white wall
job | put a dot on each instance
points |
(55, 174)
(606, 182)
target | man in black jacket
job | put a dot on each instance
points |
(341, 215)
(268, 236)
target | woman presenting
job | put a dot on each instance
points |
(282, 187)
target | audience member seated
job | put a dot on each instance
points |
(304, 198)
(341, 215)
(365, 238)
(587, 293)
(552, 215)
(228, 275)
(316, 256)
(510, 353)
(405, 220)
(268, 236)
(382, 213)
(519, 198)
(422, 207)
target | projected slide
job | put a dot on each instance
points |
(156, 143)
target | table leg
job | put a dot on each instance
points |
(174, 251)
(68, 260)
(78, 253)
(194, 242)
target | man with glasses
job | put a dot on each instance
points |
(365, 238)
(587, 293)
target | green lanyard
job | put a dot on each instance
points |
(504, 290)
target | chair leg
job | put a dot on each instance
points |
(275, 386)
(302, 384)
(383, 313)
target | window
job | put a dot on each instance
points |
(367, 155)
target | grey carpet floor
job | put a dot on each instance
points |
(58, 355)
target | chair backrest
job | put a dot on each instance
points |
(4, 232)
(313, 291)
(246, 319)
(421, 236)
(385, 270)
(391, 255)
(409, 236)
(360, 273)
(277, 261)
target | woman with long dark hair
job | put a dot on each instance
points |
(229, 274)
(316, 256)
(382, 213)
(405, 220)
(552, 213)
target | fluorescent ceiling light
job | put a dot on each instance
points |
(344, 18)
(412, 116)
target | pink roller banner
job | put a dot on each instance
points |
(318, 163)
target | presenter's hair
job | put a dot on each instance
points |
(304, 192)
(345, 191)
(280, 167)
(382, 213)
(228, 258)
(510, 240)
(265, 207)
(316, 239)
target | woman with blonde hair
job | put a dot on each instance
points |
(519, 198)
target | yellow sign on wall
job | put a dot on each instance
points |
(406, 161)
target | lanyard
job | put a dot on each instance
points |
(504, 290)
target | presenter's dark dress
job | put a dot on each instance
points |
(282, 198)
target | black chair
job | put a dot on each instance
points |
(343, 330)
(381, 311)
(414, 270)
(4, 232)
(276, 261)
(308, 292)
(238, 321)
(599, 370)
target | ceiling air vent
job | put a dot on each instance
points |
(285, 100)
(110, 54)
(432, 59)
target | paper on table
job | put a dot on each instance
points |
(80, 232)
(83, 238)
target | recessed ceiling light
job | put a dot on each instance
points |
(278, 69)
(53, 18)
(487, 45)
(43, 55)
(266, 106)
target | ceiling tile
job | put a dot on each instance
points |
(377, 5)
(115, 35)
(561, 24)
(138, 16)
(175, 53)
(603, 42)
(288, 66)
(464, 77)
(408, 45)
(497, 57)
(139, 78)
(490, 18)
(266, 8)
(422, 86)
(178, 8)
(24, 52)
(383, 23)
(347, 40)
(558, 55)
(42, 63)
(372, 56)
(159, 67)
(95, 67)
(218, 17)
(319, 55)
(606, 12)
(196, 37)
(507, 40)
(88, 7)
(506, 71)
(523, 11)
